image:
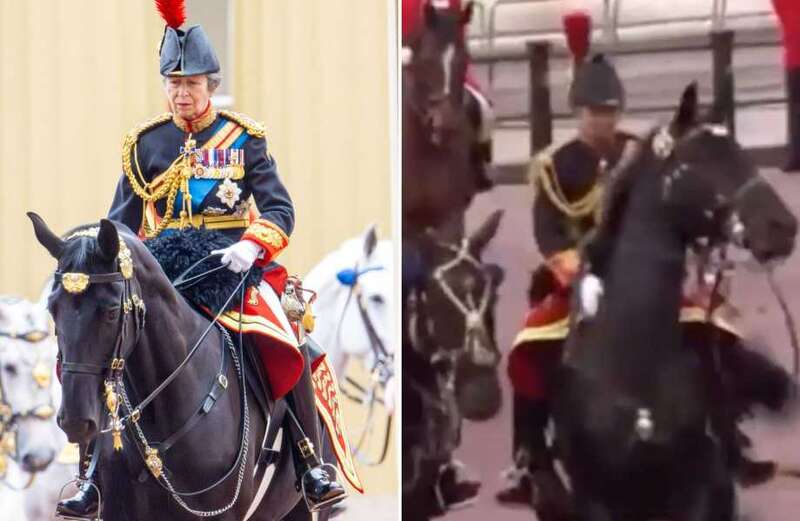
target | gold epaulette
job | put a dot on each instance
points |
(134, 133)
(542, 175)
(253, 127)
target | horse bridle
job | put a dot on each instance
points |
(383, 367)
(114, 371)
(723, 211)
(9, 418)
(733, 230)
(472, 311)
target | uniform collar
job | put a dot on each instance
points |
(198, 124)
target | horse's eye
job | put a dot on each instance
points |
(377, 300)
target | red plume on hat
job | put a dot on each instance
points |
(578, 30)
(172, 11)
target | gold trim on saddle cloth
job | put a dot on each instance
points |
(560, 329)
(326, 390)
(257, 324)
(555, 331)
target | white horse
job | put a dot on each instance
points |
(354, 312)
(37, 456)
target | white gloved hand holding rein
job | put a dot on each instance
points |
(590, 292)
(240, 257)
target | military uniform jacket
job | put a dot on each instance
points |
(569, 185)
(229, 162)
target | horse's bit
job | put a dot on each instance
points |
(9, 418)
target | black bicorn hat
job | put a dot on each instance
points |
(184, 52)
(597, 85)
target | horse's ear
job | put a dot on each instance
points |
(370, 241)
(466, 13)
(431, 16)
(480, 238)
(108, 238)
(52, 242)
(686, 115)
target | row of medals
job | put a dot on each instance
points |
(218, 164)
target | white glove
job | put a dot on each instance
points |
(590, 292)
(240, 256)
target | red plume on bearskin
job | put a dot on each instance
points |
(172, 11)
(578, 30)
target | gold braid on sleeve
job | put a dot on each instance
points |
(172, 177)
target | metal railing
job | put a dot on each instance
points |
(540, 115)
(610, 26)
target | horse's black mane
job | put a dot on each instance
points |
(177, 251)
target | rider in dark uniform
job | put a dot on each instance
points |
(201, 171)
(570, 180)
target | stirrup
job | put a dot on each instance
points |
(80, 482)
(332, 472)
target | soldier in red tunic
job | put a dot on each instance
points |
(788, 12)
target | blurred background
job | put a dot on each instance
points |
(76, 76)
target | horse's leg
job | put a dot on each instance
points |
(588, 508)
(710, 495)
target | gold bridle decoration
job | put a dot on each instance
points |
(76, 283)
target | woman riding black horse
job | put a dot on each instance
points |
(198, 167)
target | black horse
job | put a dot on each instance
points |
(107, 279)
(439, 134)
(632, 407)
(450, 361)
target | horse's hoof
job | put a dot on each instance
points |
(550, 499)
(516, 494)
(752, 473)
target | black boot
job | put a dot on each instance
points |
(82, 506)
(320, 489)
(549, 497)
(519, 490)
(793, 117)
(749, 472)
(85, 504)
(314, 480)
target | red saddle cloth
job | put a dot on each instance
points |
(538, 347)
(274, 339)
